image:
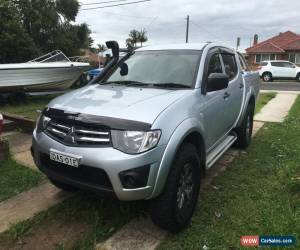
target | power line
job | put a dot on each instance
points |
(203, 29)
(113, 1)
(114, 5)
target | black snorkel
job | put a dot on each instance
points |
(114, 46)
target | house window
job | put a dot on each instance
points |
(258, 58)
(264, 57)
(294, 58)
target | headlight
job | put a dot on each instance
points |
(134, 142)
(42, 122)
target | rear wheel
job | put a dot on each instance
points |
(267, 77)
(173, 209)
(244, 132)
(63, 186)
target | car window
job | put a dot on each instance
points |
(263, 64)
(243, 63)
(288, 65)
(214, 65)
(277, 64)
(230, 65)
(158, 67)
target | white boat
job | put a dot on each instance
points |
(51, 72)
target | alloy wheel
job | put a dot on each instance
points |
(185, 191)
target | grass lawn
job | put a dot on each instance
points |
(15, 179)
(99, 217)
(263, 99)
(258, 195)
(29, 107)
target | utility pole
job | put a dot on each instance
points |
(238, 43)
(187, 29)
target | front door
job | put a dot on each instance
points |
(214, 110)
(289, 69)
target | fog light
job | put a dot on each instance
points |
(135, 177)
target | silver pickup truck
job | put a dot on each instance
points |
(150, 126)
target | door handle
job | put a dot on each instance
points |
(226, 95)
(241, 85)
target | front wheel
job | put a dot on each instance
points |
(244, 132)
(298, 77)
(173, 209)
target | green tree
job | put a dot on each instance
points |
(101, 48)
(43, 25)
(142, 37)
(134, 37)
(15, 43)
(129, 43)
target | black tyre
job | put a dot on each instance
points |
(267, 77)
(244, 132)
(63, 186)
(173, 209)
(298, 77)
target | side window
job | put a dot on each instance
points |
(214, 65)
(230, 65)
(288, 65)
(277, 64)
(263, 64)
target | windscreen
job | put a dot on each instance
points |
(159, 67)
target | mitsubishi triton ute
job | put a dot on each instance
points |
(150, 126)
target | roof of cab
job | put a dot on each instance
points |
(179, 46)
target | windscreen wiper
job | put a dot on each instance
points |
(127, 83)
(171, 85)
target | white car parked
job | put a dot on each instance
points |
(269, 70)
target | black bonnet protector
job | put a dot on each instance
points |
(94, 120)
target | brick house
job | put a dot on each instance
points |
(285, 46)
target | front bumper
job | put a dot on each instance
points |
(97, 163)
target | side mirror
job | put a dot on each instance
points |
(217, 81)
(124, 69)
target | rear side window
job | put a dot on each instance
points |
(230, 65)
(243, 62)
(263, 64)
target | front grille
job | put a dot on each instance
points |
(80, 135)
(83, 174)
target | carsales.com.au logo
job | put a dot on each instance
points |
(254, 241)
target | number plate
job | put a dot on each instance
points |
(65, 159)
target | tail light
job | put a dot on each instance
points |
(1, 124)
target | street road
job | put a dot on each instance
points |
(282, 86)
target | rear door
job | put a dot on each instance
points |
(277, 69)
(233, 96)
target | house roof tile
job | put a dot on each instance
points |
(277, 44)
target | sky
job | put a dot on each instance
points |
(211, 20)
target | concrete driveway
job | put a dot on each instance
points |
(281, 86)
